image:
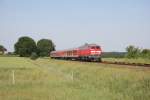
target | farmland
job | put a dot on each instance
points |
(47, 79)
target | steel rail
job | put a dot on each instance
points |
(126, 63)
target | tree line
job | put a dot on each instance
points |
(131, 52)
(27, 47)
(135, 52)
(113, 54)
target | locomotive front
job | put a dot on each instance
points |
(95, 53)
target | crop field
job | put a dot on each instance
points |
(138, 60)
(49, 79)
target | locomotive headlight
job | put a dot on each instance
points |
(93, 52)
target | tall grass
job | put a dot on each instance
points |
(46, 79)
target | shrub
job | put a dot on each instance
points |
(34, 56)
(132, 52)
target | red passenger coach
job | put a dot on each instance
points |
(87, 52)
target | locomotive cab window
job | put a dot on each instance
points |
(97, 47)
(92, 47)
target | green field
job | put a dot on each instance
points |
(46, 79)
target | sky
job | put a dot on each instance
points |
(112, 24)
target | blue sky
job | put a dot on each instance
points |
(113, 24)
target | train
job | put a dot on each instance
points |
(86, 52)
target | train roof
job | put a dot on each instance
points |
(81, 47)
(88, 45)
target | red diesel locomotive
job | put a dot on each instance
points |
(87, 52)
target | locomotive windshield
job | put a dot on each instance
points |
(95, 47)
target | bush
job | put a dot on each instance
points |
(113, 54)
(135, 52)
(145, 53)
(132, 52)
(34, 56)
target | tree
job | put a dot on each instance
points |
(44, 47)
(145, 53)
(2, 49)
(132, 52)
(25, 46)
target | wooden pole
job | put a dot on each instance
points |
(13, 77)
(72, 76)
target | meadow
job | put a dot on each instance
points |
(49, 79)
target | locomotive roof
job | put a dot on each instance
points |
(88, 45)
(81, 47)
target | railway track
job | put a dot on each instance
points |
(126, 63)
(118, 63)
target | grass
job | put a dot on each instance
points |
(138, 60)
(47, 79)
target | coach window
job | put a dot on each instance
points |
(74, 52)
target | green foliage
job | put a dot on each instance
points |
(145, 53)
(113, 54)
(2, 49)
(34, 56)
(25, 46)
(132, 52)
(44, 47)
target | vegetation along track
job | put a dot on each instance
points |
(121, 63)
(126, 63)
